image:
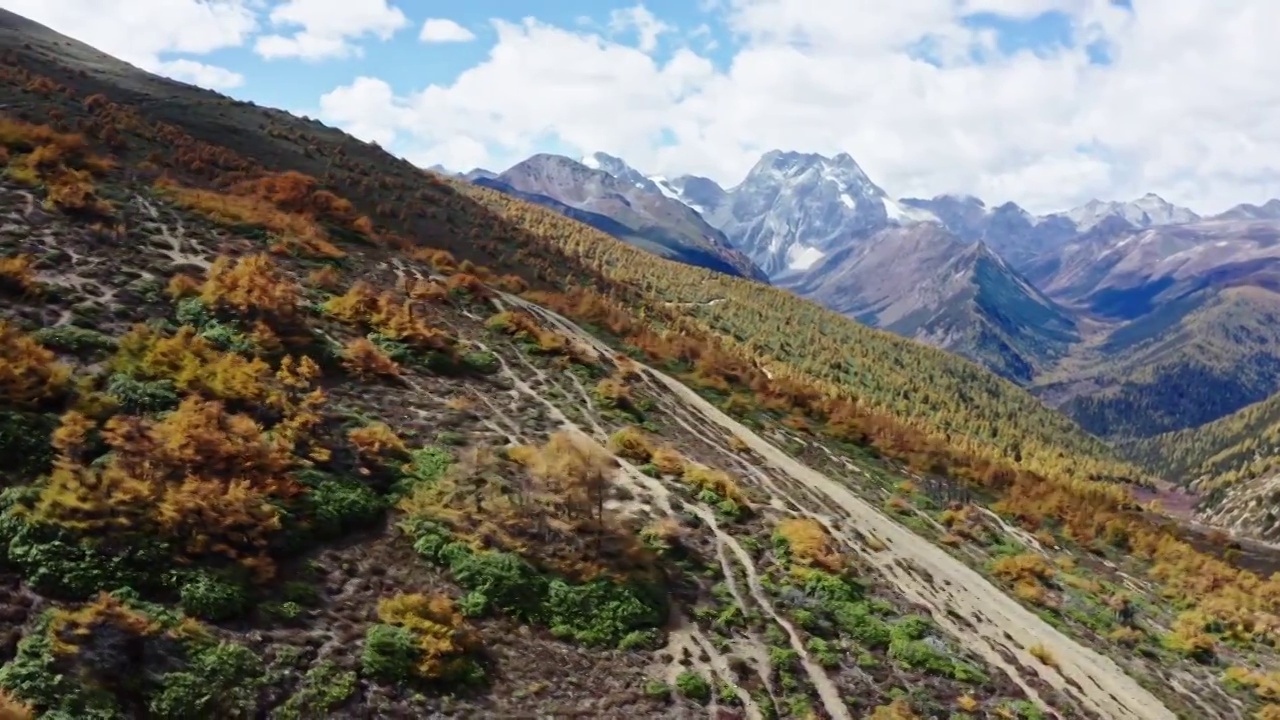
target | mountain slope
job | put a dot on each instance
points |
(1232, 462)
(1188, 325)
(922, 282)
(792, 209)
(629, 207)
(323, 466)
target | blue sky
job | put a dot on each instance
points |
(408, 64)
(1044, 102)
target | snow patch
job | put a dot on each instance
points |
(898, 212)
(802, 257)
(847, 200)
(591, 161)
(665, 188)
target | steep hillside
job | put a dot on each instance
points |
(292, 441)
(923, 282)
(630, 208)
(1188, 362)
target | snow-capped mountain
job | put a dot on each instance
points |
(609, 195)
(1147, 211)
(1270, 210)
(794, 208)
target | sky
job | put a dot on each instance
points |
(1048, 103)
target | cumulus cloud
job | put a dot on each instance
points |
(328, 28)
(201, 74)
(915, 90)
(443, 30)
(141, 31)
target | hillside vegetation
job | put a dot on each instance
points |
(299, 434)
(1192, 361)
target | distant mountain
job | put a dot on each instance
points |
(1147, 211)
(1022, 239)
(1246, 211)
(1136, 318)
(793, 209)
(627, 206)
(1190, 326)
(924, 282)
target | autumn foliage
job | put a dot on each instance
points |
(444, 638)
(17, 276)
(29, 373)
(811, 544)
(60, 162)
(251, 286)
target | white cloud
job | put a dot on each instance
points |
(643, 23)
(443, 30)
(201, 74)
(141, 31)
(328, 28)
(1189, 108)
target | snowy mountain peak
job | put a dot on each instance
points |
(618, 168)
(1147, 211)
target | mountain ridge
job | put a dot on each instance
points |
(303, 430)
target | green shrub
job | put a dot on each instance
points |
(58, 563)
(390, 654)
(601, 612)
(140, 397)
(335, 506)
(324, 688)
(25, 446)
(485, 363)
(693, 686)
(221, 681)
(73, 340)
(426, 465)
(211, 598)
(657, 690)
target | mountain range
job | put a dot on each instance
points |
(292, 428)
(1136, 318)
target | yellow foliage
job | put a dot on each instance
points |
(192, 363)
(717, 481)
(11, 709)
(811, 544)
(298, 231)
(1271, 711)
(29, 372)
(183, 285)
(325, 278)
(200, 476)
(1027, 567)
(377, 440)
(899, 709)
(615, 392)
(250, 285)
(632, 443)
(39, 155)
(669, 461)
(444, 639)
(362, 358)
(68, 627)
(17, 275)
(968, 703)
(355, 305)
(1043, 654)
(1188, 636)
(1127, 636)
(1264, 685)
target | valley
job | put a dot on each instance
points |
(294, 428)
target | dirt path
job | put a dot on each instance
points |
(945, 584)
(993, 625)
